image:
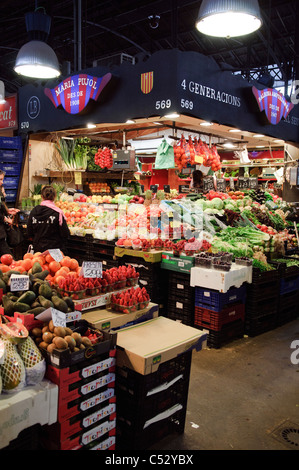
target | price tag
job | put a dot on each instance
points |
(92, 268)
(56, 255)
(59, 318)
(198, 159)
(221, 184)
(19, 282)
(78, 177)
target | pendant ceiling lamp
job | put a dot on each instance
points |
(228, 18)
(36, 59)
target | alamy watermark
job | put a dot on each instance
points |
(295, 92)
(295, 353)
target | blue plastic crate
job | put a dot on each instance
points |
(11, 195)
(11, 182)
(215, 300)
(11, 155)
(10, 142)
(11, 169)
(289, 284)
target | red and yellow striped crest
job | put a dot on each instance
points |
(147, 82)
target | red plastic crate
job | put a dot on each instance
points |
(67, 410)
(69, 375)
(215, 320)
(76, 426)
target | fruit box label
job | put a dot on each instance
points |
(98, 383)
(97, 432)
(98, 415)
(93, 401)
(94, 369)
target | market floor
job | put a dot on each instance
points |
(243, 396)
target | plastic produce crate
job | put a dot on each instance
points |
(228, 333)
(288, 309)
(178, 308)
(284, 270)
(215, 300)
(216, 320)
(256, 325)
(289, 284)
(152, 406)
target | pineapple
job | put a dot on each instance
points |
(35, 365)
(29, 352)
(12, 369)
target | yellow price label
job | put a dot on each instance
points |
(198, 159)
(78, 177)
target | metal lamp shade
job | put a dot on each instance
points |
(37, 59)
(228, 18)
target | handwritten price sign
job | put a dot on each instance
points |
(92, 268)
(19, 282)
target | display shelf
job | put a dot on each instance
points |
(94, 174)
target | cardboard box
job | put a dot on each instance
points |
(145, 346)
(23, 409)
(182, 263)
(152, 256)
(103, 319)
(221, 280)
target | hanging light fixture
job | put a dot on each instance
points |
(228, 18)
(36, 59)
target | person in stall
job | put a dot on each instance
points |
(197, 180)
(47, 227)
(6, 218)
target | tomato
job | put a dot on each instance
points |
(6, 259)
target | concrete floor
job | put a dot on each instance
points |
(240, 394)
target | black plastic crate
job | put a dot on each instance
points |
(126, 438)
(180, 283)
(138, 385)
(288, 308)
(265, 290)
(138, 414)
(258, 307)
(259, 277)
(289, 284)
(255, 326)
(228, 333)
(284, 270)
(180, 309)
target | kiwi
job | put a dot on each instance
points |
(86, 341)
(78, 338)
(60, 342)
(70, 341)
(47, 337)
(59, 331)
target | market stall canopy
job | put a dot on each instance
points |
(168, 82)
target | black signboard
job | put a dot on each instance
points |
(187, 82)
(243, 183)
(208, 184)
(166, 188)
(221, 184)
(154, 188)
(253, 183)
